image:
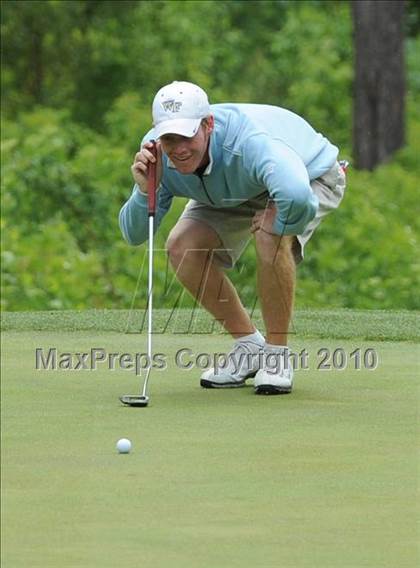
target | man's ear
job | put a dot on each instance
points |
(209, 123)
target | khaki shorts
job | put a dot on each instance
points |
(232, 224)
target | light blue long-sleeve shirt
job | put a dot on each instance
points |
(253, 148)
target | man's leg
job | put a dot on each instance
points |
(190, 249)
(276, 284)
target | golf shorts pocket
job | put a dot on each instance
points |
(329, 189)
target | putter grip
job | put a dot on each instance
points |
(151, 183)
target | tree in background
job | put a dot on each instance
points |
(379, 86)
(78, 78)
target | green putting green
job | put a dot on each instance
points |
(326, 476)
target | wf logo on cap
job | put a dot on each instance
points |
(172, 105)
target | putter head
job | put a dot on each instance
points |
(134, 400)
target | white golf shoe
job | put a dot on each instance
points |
(276, 376)
(240, 364)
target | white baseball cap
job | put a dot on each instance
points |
(178, 108)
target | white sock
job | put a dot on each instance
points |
(276, 348)
(256, 337)
(280, 353)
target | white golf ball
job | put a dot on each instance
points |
(124, 446)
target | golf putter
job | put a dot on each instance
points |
(142, 399)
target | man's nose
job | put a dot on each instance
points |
(180, 148)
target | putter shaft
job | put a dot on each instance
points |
(143, 399)
(149, 306)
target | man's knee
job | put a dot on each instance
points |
(176, 248)
(273, 248)
(184, 248)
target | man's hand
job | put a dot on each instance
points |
(141, 162)
(263, 220)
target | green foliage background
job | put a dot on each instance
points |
(77, 84)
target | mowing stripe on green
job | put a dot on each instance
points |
(375, 325)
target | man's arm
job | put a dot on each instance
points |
(133, 216)
(282, 172)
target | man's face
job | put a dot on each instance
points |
(188, 154)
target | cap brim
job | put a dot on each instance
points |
(187, 127)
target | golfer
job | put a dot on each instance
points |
(247, 169)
